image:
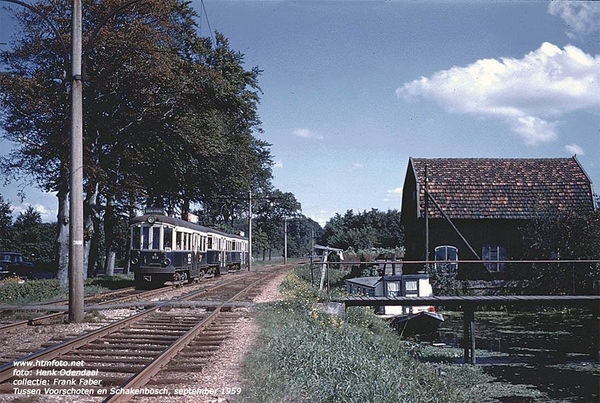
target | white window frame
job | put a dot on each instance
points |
(446, 267)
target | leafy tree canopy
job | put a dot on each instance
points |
(366, 230)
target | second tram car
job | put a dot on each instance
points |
(166, 249)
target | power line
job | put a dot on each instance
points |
(207, 21)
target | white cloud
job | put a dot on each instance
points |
(393, 194)
(322, 221)
(526, 93)
(574, 149)
(396, 191)
(582, 17)
(278, 164)
(307, 134)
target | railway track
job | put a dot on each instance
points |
(105, 298)
(119, 361)
(123, 294)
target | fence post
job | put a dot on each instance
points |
(469, 333)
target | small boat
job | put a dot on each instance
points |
(417, 323)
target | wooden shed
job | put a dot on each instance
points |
(473, 208)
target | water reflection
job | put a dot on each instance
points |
(550, 334)
(553, 350)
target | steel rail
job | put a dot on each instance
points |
(33, 321)
(141, 378)
(6, 370)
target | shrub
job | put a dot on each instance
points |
(15, 292)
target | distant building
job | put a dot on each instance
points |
(477, 205)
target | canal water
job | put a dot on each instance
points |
(550, 350)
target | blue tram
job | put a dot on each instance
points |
(166, 249)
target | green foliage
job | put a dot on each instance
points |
(15, 292)
(28, 235)
(34, 239)
(111, 283)
(5, 225)
(336, 279)
(309, 356)
(567, 236)
(370, 229)
(169, 116)
(442, 281)
(18, 292)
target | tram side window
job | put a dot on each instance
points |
(145, 237)
(167, 238)
(210, 241)
(155, 237)
(136, 234)
(178, 240)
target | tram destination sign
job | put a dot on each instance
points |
(154, 210)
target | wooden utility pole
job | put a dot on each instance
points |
(426, 215)
(285, 235)
(249, 230)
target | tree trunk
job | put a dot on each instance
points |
(185, 209)
(63, 237)
(90, 235)
(109, 268)
(109, 225)
(127, 267)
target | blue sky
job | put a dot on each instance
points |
(352, 89)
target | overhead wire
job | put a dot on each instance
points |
(211, 34)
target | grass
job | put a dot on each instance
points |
(310, 356)
(13, 291)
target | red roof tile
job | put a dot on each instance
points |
(501, 188)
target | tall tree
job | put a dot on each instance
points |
(272, 208)
(169, 116)
(5, 224)
(369, 229)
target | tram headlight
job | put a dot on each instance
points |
(135, 257)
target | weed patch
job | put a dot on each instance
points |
(17, 292)
(29, 291)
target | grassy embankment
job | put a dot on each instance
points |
(309, 356)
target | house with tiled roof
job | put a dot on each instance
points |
(473, 208)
